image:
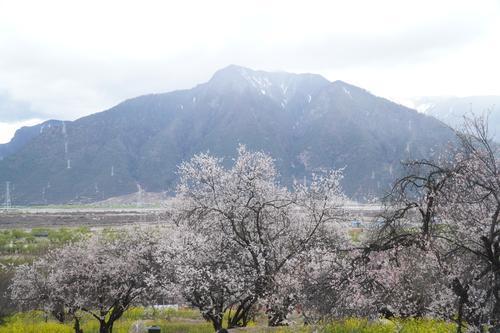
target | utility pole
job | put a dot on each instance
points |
(8, 202)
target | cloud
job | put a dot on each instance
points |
(12, 110)
(7, 130)
(64, 59)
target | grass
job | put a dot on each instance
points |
(178, 321)
(38, 240)
(189, 321)
(356, 234)
(356, 325)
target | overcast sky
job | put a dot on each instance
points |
(65, 59)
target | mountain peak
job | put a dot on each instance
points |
(234, 78)
(231, 75)
(231, 71)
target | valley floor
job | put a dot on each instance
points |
(137, 320)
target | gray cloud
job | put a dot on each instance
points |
(76, 68)
(12, 110)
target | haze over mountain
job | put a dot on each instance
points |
(451, 110)
(23, 136)
(304, 121)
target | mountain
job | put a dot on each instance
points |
(23, 136)
(304, 121)
(451, 110)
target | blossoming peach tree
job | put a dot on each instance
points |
(102, 276)
(247, 229)
(448, 213)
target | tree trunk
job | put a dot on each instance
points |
(496, 313)
(495, 316)
(241, 317)
(276, 319)
(59, 315)
(462, 293)
(492, 248)
(105, 327)
(217, 323)
(460, 315)
(277, 314)
(215, 319)
(77, 326)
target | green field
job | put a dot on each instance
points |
(23, 244)
(189, 321)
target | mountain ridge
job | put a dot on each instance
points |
(23, 136)
(304, 121)
(451, 109)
